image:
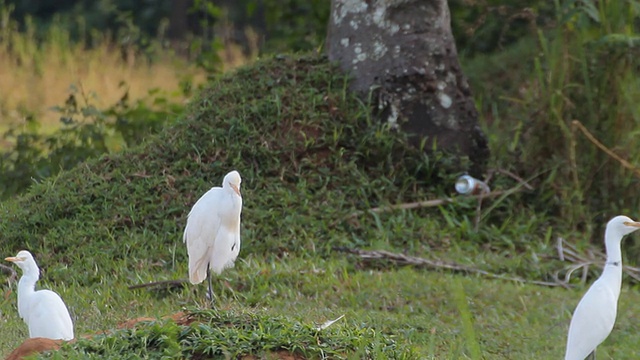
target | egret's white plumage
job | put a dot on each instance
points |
(44, 311)
(212, 233)
(595, 314)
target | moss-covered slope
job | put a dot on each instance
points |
(306, 150)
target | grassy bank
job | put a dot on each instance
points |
(310, 158)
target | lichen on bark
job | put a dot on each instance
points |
(404, 51)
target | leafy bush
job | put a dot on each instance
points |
(86, 132)
(586, 72)
(581, 66)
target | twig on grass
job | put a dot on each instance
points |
(371, 255)
(568, 252)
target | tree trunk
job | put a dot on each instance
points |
(403, 52)
(178, 19)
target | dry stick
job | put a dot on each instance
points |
(476, 221)
(568, 252)
(597, 143)
(442, 201)
(417, 261)
(517, 178)
(514, 177)
(427, 203)
(161, 284)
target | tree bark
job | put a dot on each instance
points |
(404, 54)
(178, 19)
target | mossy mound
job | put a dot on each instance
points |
(306, 148)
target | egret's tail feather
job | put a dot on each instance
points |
(197, 274)
(196, 277)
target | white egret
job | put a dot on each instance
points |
(595, 314)
(44, 311)
(212, 233)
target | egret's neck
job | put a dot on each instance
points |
(612, 272)
(612, 244)
(27, 284)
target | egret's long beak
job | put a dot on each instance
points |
(632, 223)
(235, 188)
(12, 259)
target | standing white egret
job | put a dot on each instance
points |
(212, 233)
(44, 311)
(595, 314)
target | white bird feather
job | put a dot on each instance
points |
(212, 233)
(595, 315)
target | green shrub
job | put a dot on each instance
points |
(86, 132)
(582, 67)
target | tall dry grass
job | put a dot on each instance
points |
(38, 72)
(36, 75)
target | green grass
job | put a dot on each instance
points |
(419, 311)
(231, 333)
(309, 156)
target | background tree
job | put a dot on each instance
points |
(405, 52)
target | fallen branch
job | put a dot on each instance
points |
(430, 203)
(437, 264)
(164, 284)
(568, 252)
(623, 162)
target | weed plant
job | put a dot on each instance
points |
(583, 68)
(587, 72)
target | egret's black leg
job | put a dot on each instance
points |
(592, 356)
(210, 292)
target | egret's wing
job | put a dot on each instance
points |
(227, 242)
(203, 225)
(49, 317)
(226, 248)
(592, 321)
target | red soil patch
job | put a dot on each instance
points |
(34, 346)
